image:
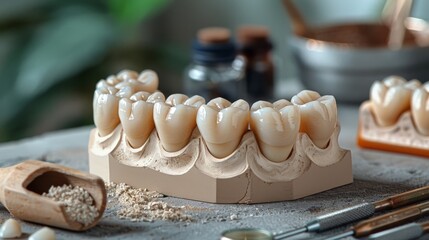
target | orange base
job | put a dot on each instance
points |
(390, 147)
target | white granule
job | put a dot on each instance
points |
(137, 204)
(79, 205)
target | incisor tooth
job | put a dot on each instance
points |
(420, 109)
(390, 98)
(136, 115)
(175, 120)
(10, 229)
(44, 233)
(105, 106)
(222, 125)
(276, 128)
(318, 116)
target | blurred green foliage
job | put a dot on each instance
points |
(53, 52)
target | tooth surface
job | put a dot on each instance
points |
(136, 115)
(390, 98)
(276, 128)
(222, 125)
(420, 109)
(175, 120)
(147, 81)
(10, 229)
(127, 74)
(113, 80)
(105, 107)
(318, 116)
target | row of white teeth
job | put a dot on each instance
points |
(222, 124)
(394, 96)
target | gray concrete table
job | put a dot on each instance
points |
(376, 175)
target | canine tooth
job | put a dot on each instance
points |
(276, 128)
(318, 116)
(420, 109)
(390, 98)
(136, 115)
(105, 107)
(222, 125)
(175, 120)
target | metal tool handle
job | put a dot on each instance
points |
(407, 231)
(341, 217)
(390, 220)
(403, 199)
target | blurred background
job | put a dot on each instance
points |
(52, 53)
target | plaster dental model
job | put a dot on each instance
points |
(218, 151)
(396, 118)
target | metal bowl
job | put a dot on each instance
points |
(346, 68)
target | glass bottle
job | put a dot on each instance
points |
(215, 71)
(256, 47)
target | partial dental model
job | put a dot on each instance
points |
(175, 120)
(276, 126)
(10, 229)
(396, 117)
(222, 125)
(221, 152)
(318, 116)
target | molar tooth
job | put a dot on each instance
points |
(318, 116)
(136, 115)
(276, 128)
(175, 120)
(105, 107)
(390, 98)
(222, 125)
(420, 109)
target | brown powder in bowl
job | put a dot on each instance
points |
(79, 205)
(137, 204)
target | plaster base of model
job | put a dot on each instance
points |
(401, 137)
(245, 176)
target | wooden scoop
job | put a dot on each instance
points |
(21, 187)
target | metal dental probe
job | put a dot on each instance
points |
(385, 221)
(361, 211)
(404, 232)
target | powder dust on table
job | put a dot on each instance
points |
(79, 205)
(137, 204)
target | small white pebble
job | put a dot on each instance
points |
(234, 217)
(10, 229)
(43, 234)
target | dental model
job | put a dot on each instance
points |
(396, 118)
(218, 151)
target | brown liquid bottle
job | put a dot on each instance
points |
(256, 47)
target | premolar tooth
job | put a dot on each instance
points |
(136, 115)
(318, 116)
(149, 79)
(222, 125)
(390, 98)
(420, 109)
(105, 106)
(175, 120)
(276, 128)
(127, 74)
(113, 80)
